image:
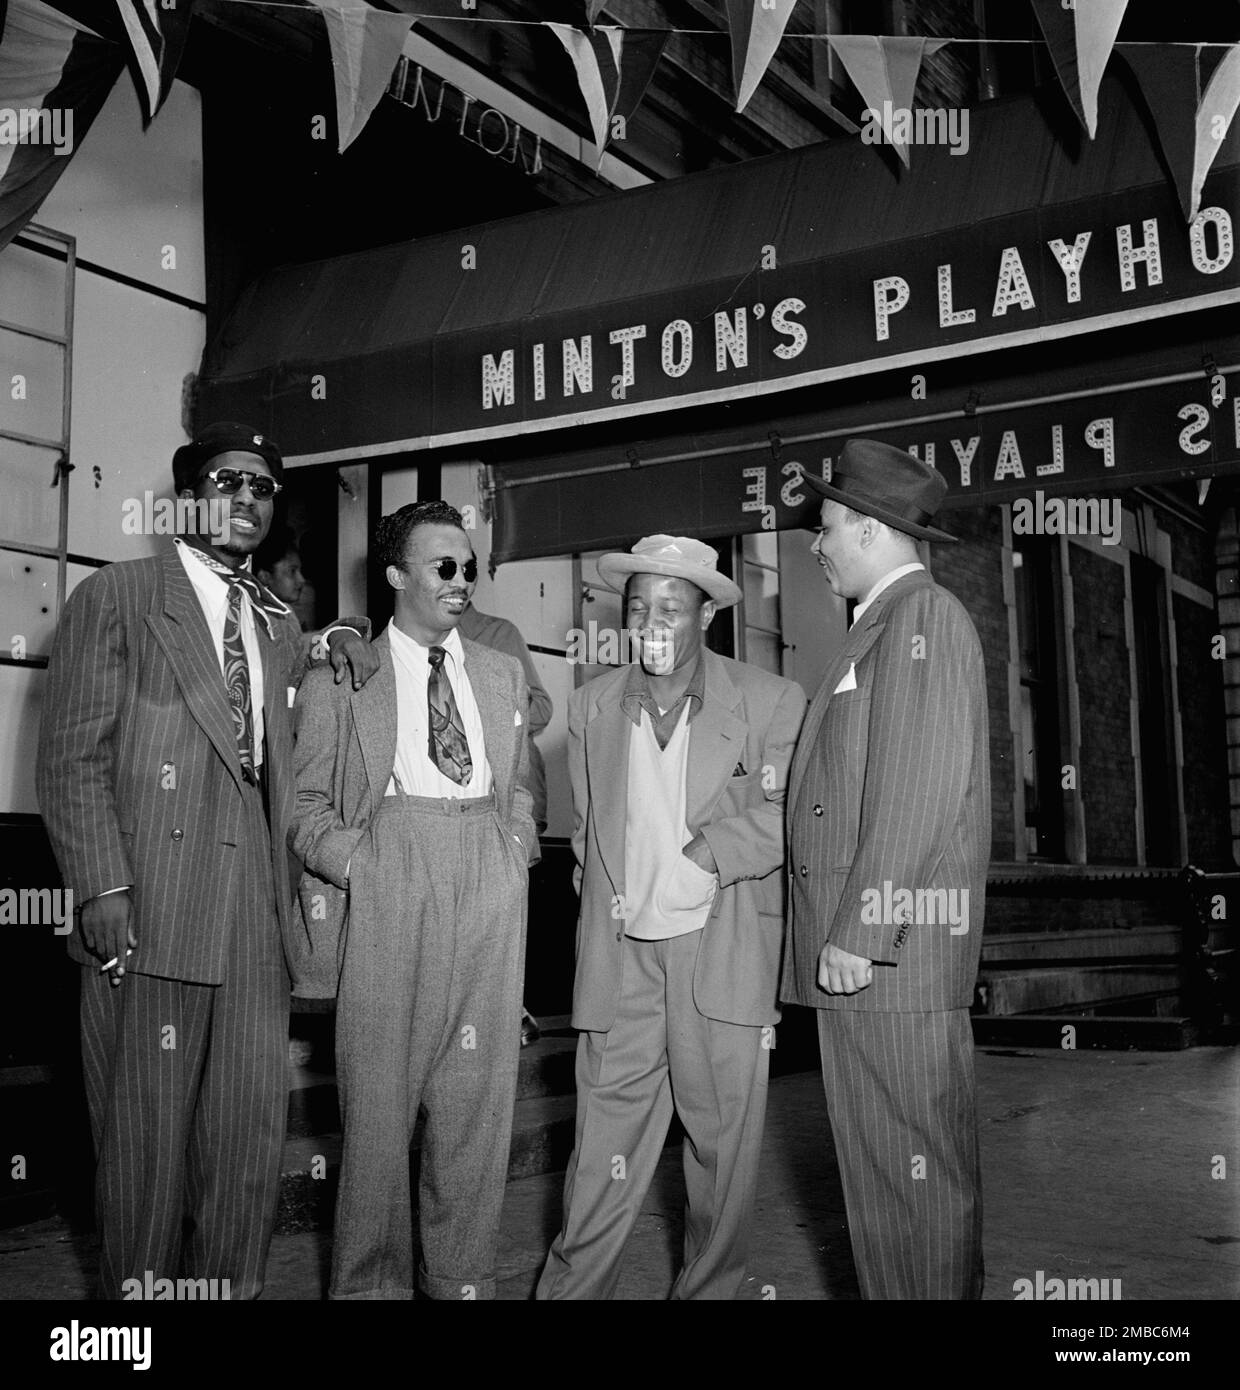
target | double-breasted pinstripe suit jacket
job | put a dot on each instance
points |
(139, 779)
(891, 786)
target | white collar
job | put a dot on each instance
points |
(409, 649)
(884, 583)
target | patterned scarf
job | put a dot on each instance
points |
(265, 604)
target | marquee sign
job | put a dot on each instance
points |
(1019, 279)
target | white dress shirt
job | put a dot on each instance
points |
(212, 590)
(419, 776)
(884, 583)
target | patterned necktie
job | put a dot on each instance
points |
(447, 745)
(237, 683)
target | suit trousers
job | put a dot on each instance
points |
(902, 1104)
(428, 1015)
(187, 1086)
(660, 1054)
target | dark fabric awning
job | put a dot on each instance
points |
(751, 280)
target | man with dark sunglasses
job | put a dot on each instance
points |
(166, 784)
(415, 819)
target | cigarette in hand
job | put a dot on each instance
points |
(115, 960)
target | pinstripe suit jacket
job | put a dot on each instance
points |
(344, 756)
(891, 785)
(748, 717)
(138, 778)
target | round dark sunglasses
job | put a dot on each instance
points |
(446, 569)
(228, 481)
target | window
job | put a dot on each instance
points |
(761, 629)
(1035, 561)
(1151, 651)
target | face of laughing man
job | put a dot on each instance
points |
(249, 517)
(839, 550)
(428, 607)
(670, 619)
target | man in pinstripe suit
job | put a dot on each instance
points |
(889, 835)
(166, 786)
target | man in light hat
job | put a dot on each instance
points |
(678, 766)
(889, 841)
(165, 780)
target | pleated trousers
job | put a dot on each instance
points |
(662, 1054)
(428, 1015)
(902, 1103)
(187, 1086)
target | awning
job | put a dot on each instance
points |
(804, 269)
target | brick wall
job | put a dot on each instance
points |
(973, 571)
(1106, 779)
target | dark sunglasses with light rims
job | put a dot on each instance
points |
(228, 481)
(446, 569)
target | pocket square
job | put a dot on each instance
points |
(849, 682)
(292, 696)
(516, 718)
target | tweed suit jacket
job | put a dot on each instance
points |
(891, 786)
(139, 780)
(749, 720)
(344, 755)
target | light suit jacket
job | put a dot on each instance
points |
(344, 756)
(891, 785)
(748, 720)
(139, 780)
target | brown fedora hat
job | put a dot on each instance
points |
(886, 483)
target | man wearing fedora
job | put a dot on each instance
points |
(889, 840)
(678, 766)
(165, 779)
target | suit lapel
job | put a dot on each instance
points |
(607, 771)
(861, 637)
(374, 719)
(180, 627)
(716, 742)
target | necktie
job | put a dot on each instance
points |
(447, 745)
(237, 683)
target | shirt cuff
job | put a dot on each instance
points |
(107, 892)
(337, 627)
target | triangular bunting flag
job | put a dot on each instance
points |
(884, 71)
(614, 67)
(1059, 30)
(756, 27)
(365, 45)
(1214, 117)
(1097, 23)
(1170, 85)
(54, 78)
(157, 31)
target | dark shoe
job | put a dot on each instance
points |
(530, 1031)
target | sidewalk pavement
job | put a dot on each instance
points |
(1095, 1165)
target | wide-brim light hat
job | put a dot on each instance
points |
(885, 482)
(678, 557)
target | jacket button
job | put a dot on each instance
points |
(804, 871)
(818, 810)
(618, 935)
(177, 835)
